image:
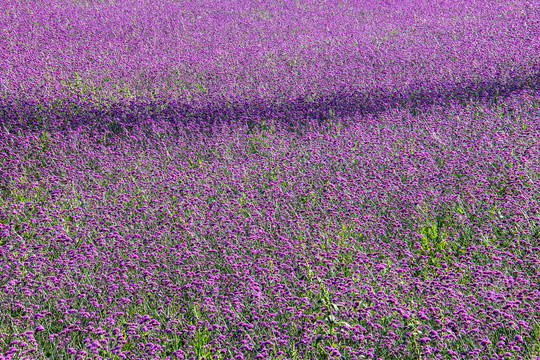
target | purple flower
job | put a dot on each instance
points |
(39, 328)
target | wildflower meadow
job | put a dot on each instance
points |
(278, 179)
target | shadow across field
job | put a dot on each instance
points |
(21, 114)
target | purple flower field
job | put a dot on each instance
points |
(269, 179)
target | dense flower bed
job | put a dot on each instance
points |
(381, 206)
(66, 59)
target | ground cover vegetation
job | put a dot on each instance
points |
(269, 180)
